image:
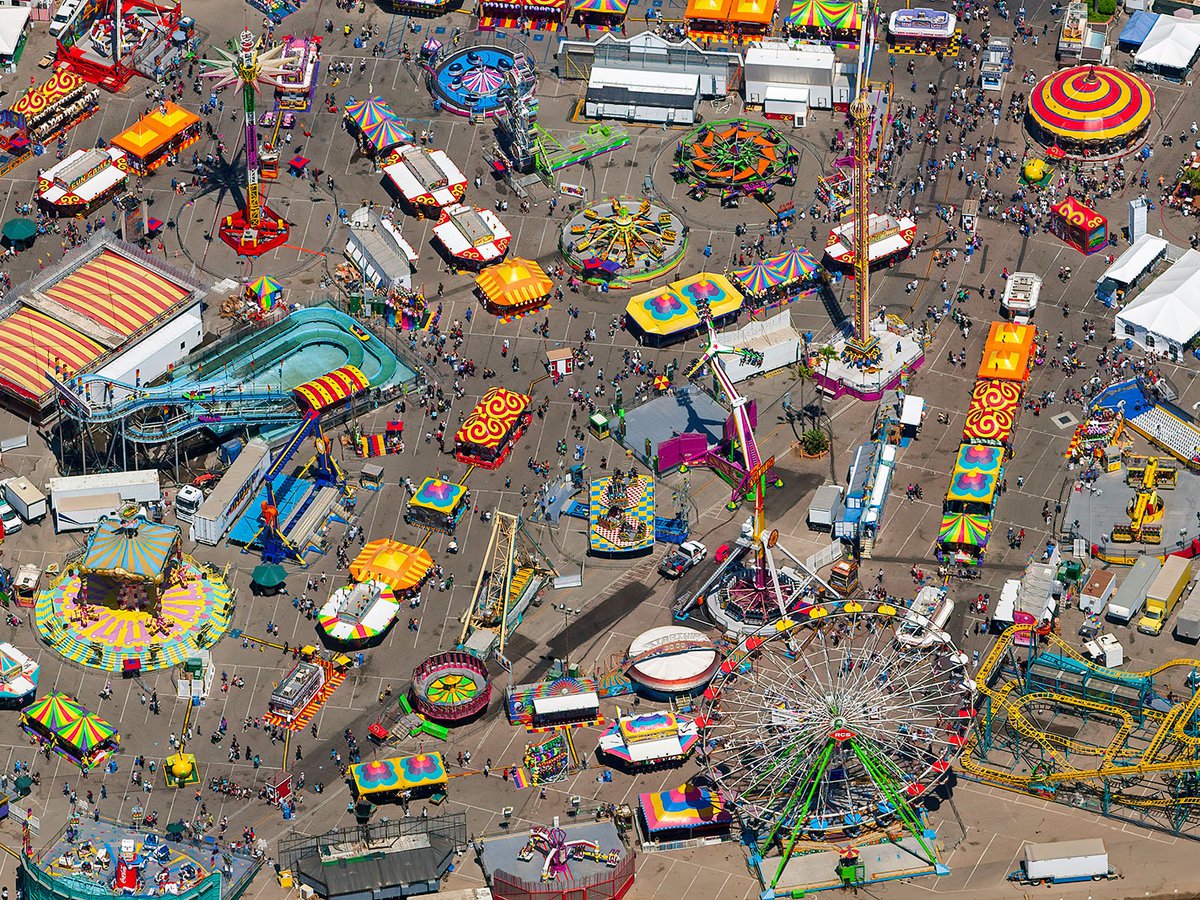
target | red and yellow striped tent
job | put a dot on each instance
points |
(118, 293)
(35, 344)
(338, 385)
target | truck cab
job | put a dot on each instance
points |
(1164, 594)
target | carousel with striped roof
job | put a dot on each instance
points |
(131, 600)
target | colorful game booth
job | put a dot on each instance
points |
(622, 241)
(471, 238)
(649, 740)
(621, 515)
(682, 813)
(1079, 226)
(769, 280)
(540, 15)
(513, 288)
(427, 180)
(987, 442)
(358, 615)
(298, 86)
(18, 677)
(61, 723)
(134, 601)
(82, 182)
(400, 778)
(495, 424)
(891, 239)
(158, 136)
(437, 505)
(837, 21)
(399, 566)
(44, 112)
(671, 314)
(922, 30)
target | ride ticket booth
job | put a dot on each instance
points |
(969, 215)
(279, 787)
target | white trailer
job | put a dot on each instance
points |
(1187, 620)
(236, 488)
(1020, 299)
(1059, 862)
(1131, 595)
(28, 501)
(825, 507)
(79, 501)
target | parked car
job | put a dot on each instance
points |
(8, 515)
(682, 558)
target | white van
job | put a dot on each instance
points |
(65, 17)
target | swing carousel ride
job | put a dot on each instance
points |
(253, 229)
(621, 241)
(831, 730)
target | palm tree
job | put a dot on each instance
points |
(804, 374)
(827, 354)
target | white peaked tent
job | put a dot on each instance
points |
(1166, 315)
(1170, 48)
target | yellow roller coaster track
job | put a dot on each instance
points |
(1170, 727)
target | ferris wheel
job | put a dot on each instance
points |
(833, 727)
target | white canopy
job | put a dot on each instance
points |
(1171, 44)
(1170, 307)
(1136, 259)
(13, 20)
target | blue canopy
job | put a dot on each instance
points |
(1136, 29)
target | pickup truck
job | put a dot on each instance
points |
(680, 560)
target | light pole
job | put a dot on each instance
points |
(567, 612)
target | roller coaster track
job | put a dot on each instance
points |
(196, 406)
(1170, 728)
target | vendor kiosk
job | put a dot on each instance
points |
(1078, 225)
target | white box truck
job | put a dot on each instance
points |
(1060, 862)
(28, 501)
(1130, 597)
(1187, 620)
(79, 501)
(1098, 590)
(825, 508)
(237, 487)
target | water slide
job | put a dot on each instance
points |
(245, 383)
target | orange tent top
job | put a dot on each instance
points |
(751, 12)
(395, 564)
(1007, 352)
(708, 10)
(154, 130)
(515, 282)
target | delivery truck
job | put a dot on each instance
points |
(1060, 862)
(80, 501)
(1131, 595)
(233, 492)
(28, 501)
(1164, 594)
